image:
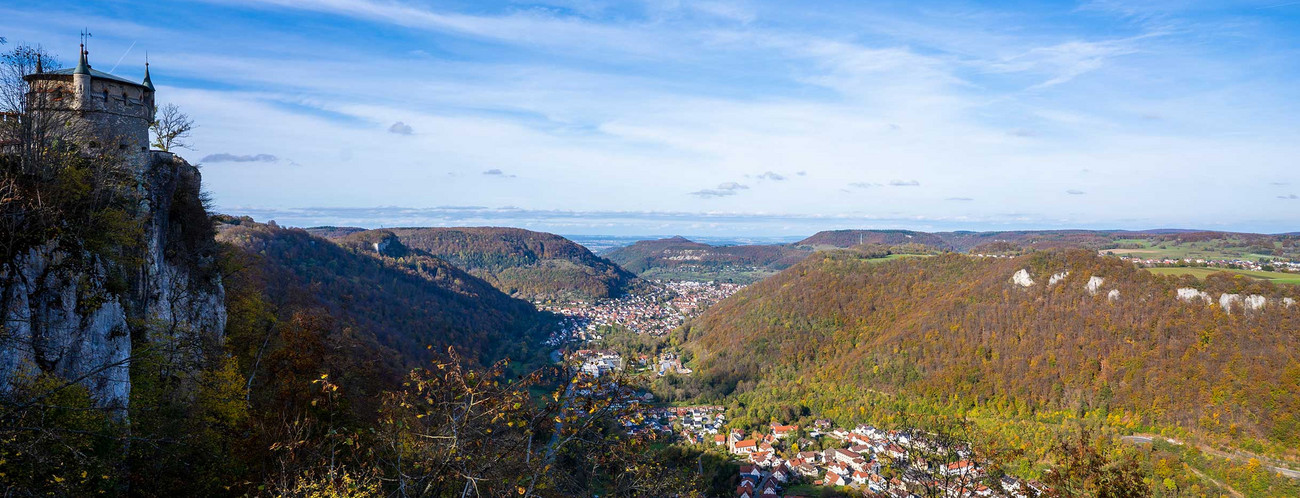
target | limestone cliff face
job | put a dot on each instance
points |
(71, 317)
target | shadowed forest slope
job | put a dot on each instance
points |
(406, 298)
(523, 263)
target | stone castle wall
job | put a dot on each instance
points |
(112, 117)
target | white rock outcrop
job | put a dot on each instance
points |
(1255, 302)
(1287, 302)
(1094, 284)
(1113, 295)
(1057, 277)
(1227, 300)
(1189, 294)
(1022, 278)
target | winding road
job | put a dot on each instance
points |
(1148, 439)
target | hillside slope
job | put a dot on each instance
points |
(827, 331)
(678, 257)
(849, 238)
(522, 263)
(406, 298)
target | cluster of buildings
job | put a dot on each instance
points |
(694, 424)
(669, 362)
(866, 459)
(1236, 264)
(656, 312)
(598, 363)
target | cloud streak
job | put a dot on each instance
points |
(722, 190)
(223, 157)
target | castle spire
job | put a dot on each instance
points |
(147, 82)
(83, 67)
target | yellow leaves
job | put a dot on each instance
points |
(521, 490)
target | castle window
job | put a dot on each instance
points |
(121, 146)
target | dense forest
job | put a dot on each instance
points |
(523, 263)
(844, 336)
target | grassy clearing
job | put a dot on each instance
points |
(1217, 249)
(1275, 277)
(892, 257)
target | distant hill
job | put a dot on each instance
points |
(334, 232)
(681, 258)
(403, 297)
(522, 263)
(839, 330)
(848, 238)
(1170, 243)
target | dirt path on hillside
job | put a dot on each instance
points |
(1216, 482)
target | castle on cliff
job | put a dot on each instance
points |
(107, 114)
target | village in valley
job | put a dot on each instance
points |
(655, 312)
(783, 460)
(865, 460)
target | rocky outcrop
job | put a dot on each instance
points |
(1254, 302)
(1022, 278)
(1190, 295)
(179, 295)
(1057, 277)
(59, 318)
(68, 314)
(1094, 284)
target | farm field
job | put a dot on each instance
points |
(1219, 249)
(1275, 277)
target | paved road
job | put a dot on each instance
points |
(1147, 439)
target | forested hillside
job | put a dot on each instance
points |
(837, 334)
(681, 258)
(849, 238)
(523, 263)
(404, 297)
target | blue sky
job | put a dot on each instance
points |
(721, 117)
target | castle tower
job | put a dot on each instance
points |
(81, 80)
(103, 113)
